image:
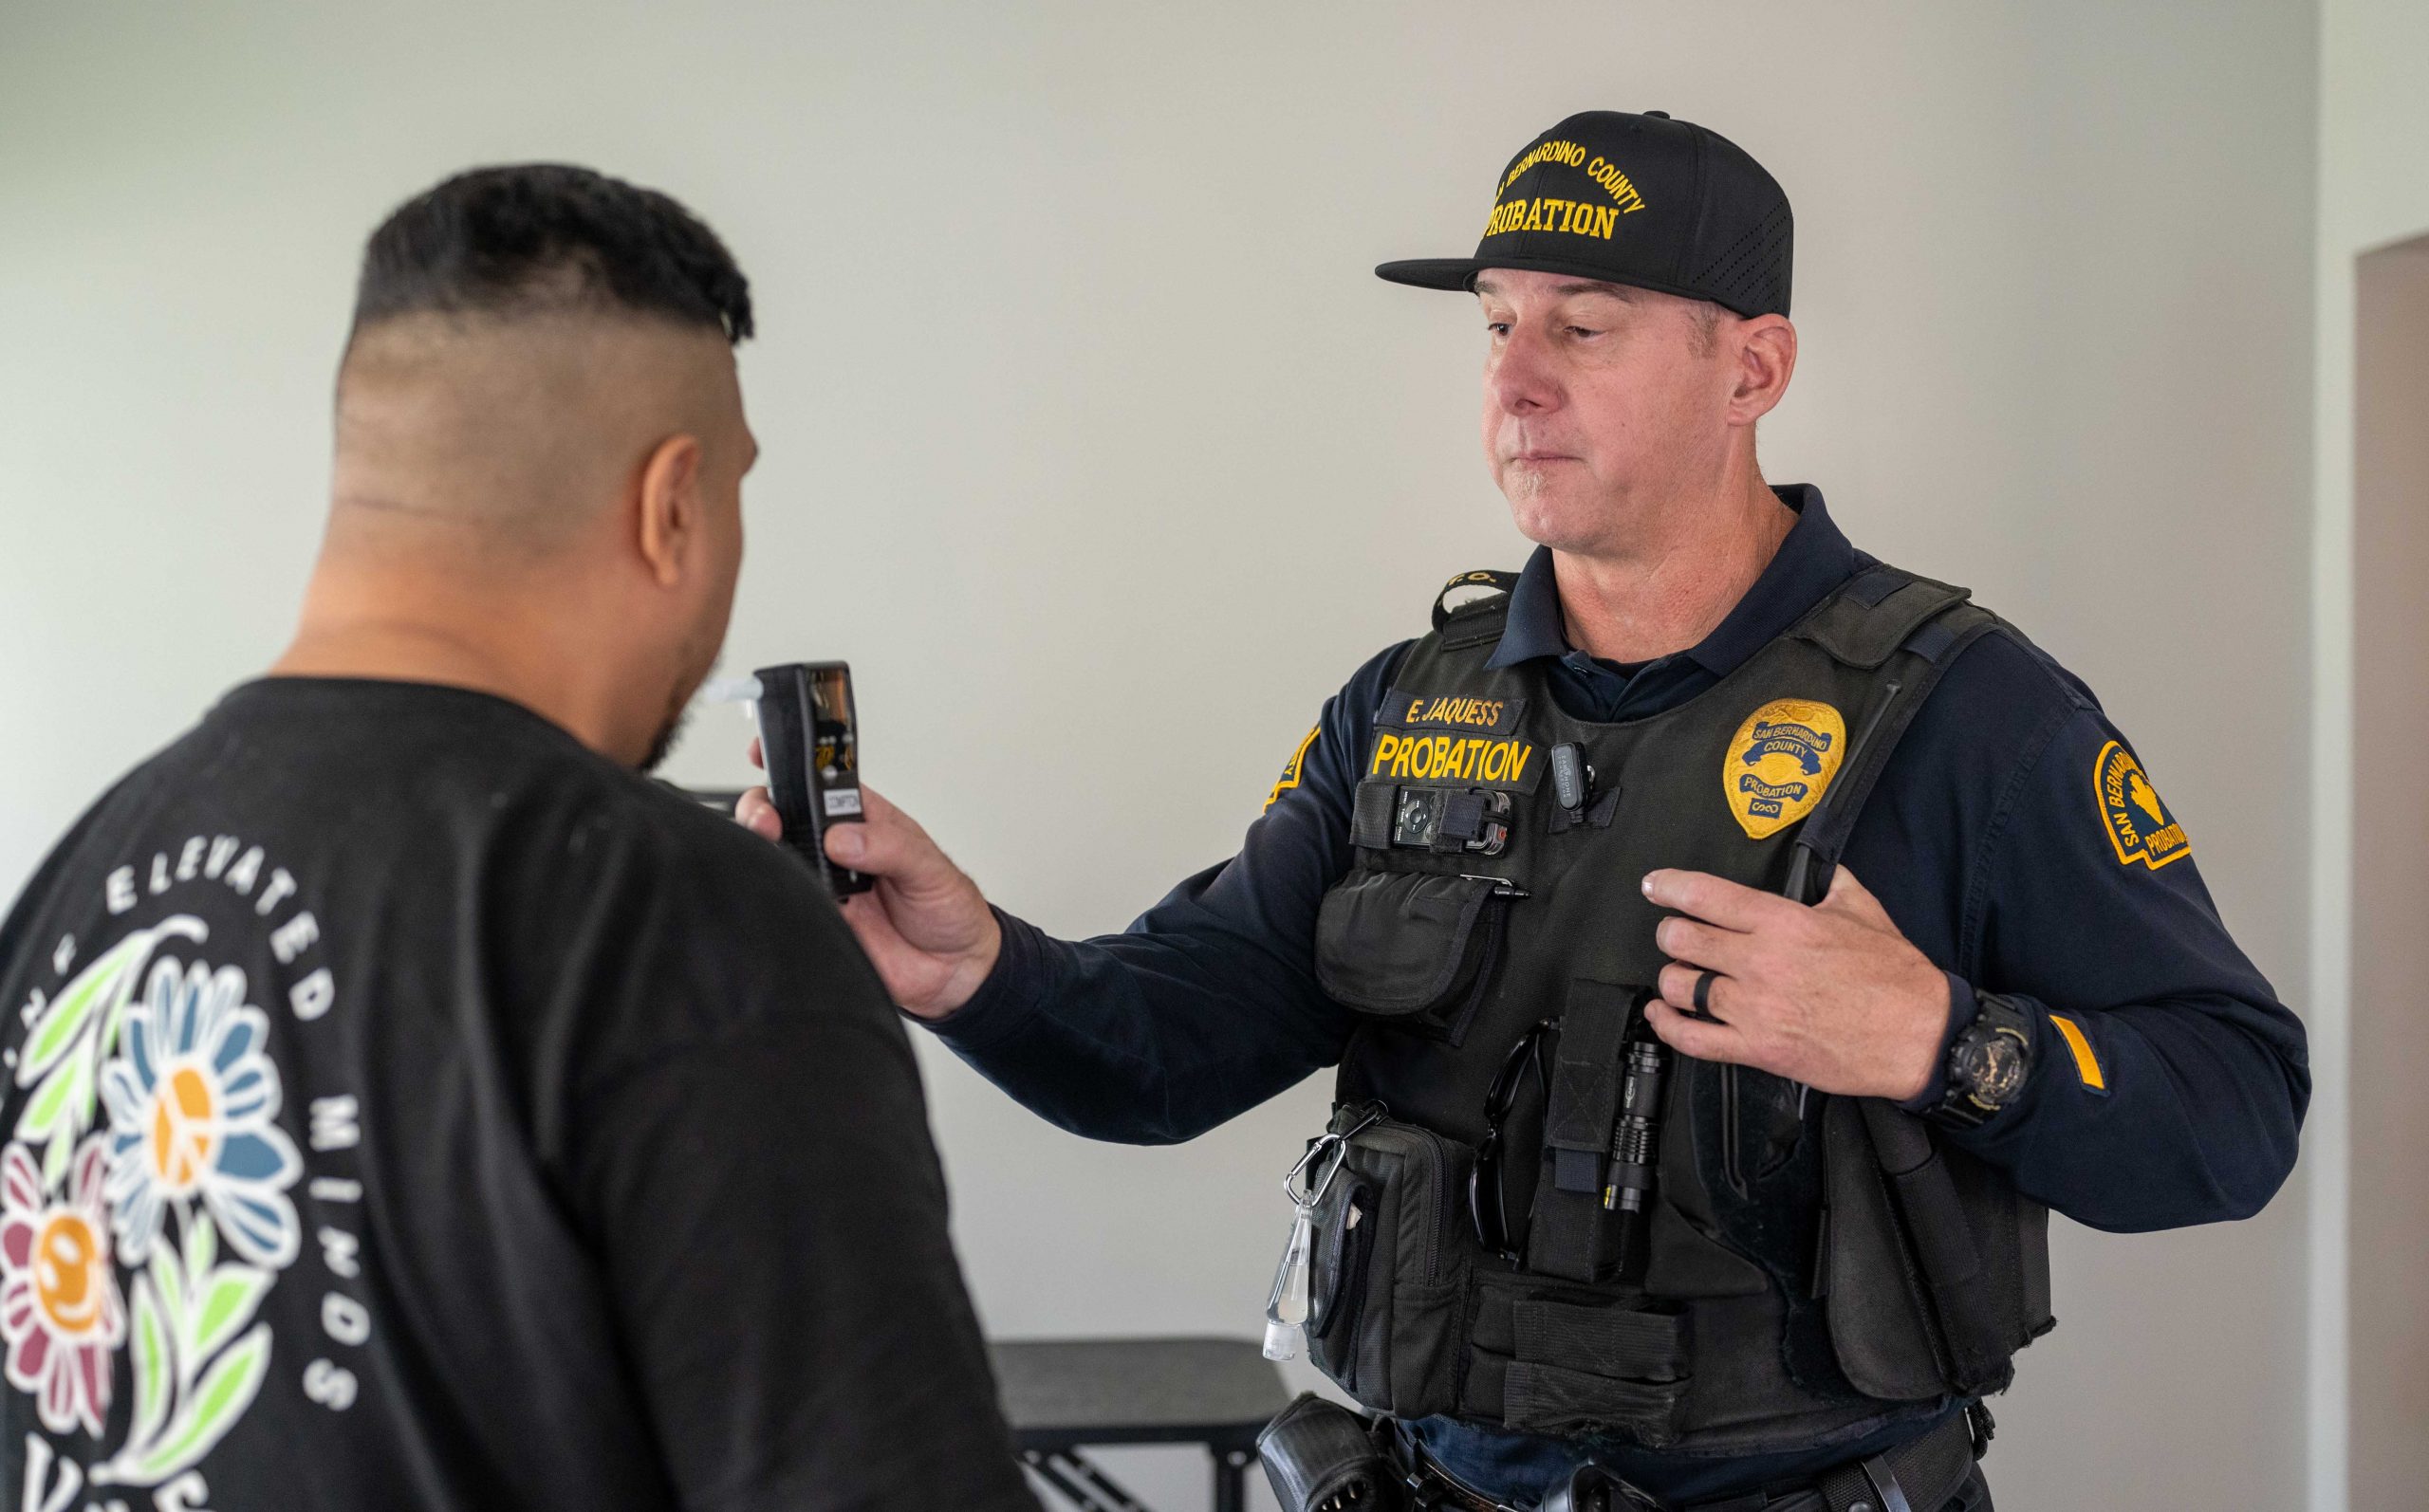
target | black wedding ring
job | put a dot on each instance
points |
(1703, 995)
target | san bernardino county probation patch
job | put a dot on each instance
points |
(2140, 826)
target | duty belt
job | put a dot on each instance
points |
(1918, 1476)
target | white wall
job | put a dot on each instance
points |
(1073, 382)
(2373, 190)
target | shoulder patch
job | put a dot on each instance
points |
(1291, 769)
(1780, 763)
(2140, 826)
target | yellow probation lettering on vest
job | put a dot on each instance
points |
(1465, 758)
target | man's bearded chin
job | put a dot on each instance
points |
(664, 740)
(679, 710)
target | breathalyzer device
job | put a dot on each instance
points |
(809, 738)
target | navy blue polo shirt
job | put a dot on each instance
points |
(2168, 1082)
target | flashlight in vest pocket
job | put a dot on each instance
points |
(809, 738)
(1636, 1141)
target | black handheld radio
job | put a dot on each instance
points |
(809, 738)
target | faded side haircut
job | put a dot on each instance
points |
(550, 238)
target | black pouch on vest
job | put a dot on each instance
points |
(1390, 1288)
(1573, 1236)
(1417, 947)
(1888, 1323)
(1551, 1359)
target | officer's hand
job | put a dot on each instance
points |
(925, 926)
(1833, 995)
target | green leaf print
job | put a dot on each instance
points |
(69, 1014)
(170, 1286)
(42, 1114)
(226, 1304)
(202, 1249)
(226, 1391)
(58, 1113)
(153, 1368)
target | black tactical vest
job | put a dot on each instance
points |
(1804, 1265)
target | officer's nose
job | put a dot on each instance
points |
(1519, 377)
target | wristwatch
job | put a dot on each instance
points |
(1987, 1064)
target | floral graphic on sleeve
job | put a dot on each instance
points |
(59, 1299)
(191, 1101)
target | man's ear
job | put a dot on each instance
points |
(670, 507)
(1766, 359)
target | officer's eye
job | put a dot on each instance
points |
(1497, 327)
(1582, 330)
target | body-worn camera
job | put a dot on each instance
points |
(809, 738)
(1451, 819)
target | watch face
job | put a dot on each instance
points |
(1995, 1066)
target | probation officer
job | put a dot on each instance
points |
(1593, 845)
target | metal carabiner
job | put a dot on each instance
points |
(1308, 1193)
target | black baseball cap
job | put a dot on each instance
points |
(1644, 200)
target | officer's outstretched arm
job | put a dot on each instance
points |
(1207, 1005)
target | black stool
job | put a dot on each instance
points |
(1062, 1394)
